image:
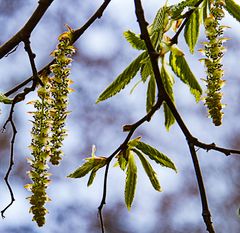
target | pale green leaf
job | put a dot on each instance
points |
(122, 161)
(90, 164)
(155, 155)
(233, 9)
(135, 40)
(123, 79)
(146, 70)
(131, 181)
(168, 84)
(152, 175)
(182, 70)
(94, 171)
(4, 99)
(191, 31)
(151, 94)
(92, 177)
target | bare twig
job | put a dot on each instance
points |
(123, 146)
(11, 159)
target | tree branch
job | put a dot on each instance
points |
(27, 29)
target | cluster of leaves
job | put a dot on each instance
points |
(48, 125)
(126, 161)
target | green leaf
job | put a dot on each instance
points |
(177, 9)
(131, 181)
(91, 177)
(135, 40)
(155, 155)
(4, 99)
(90, 164)
(151, 94)
(233, 9)
(152, 175)
(146, 70)
(191, 31)
(122, 161)
(123, 79)
(168, 84)
(181, 69)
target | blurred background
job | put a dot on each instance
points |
(102, 54)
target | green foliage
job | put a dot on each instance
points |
(123, 79)
(131, 181)
(4, 99)
(233, 9)
(155, 155)
(151, 93)
(177, 9)
(182, 70)
(134, 40)
(168, 84)
(91, 164)
(152, 175)
(191, 31)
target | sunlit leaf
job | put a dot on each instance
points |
(152, 175)
(151, 94)
(131, 181)
(123, 79)
(135, 40)
(155, 155)
(168, 84)
(4, 99)
(146, 70)
(191, 31)
(90, 164)
(182, 70)
(233, 9)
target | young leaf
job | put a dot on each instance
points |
(146, 70)
(151, 94)
(4, 99)
(233, 9)
(131, 181)
(134, 40)
(191, 31)
(181, 69)
(94, 171)
(169, 118)
(152, 175)
(123, 79)
(168, 84)
(90, 164)
(155, 155)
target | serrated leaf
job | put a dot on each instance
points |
(146, 70)
(123, 79)
(131, 181)
(134, 40)
(151, 94)
(191, 31)
(233, 9)
(155, 155)
(168, 84)
(182, 70)
(122, 162)
(90, 164)
(160, 23)
(152, 175)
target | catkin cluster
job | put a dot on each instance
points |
(48, 129)
(213, 50)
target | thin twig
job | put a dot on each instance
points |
(11, 159)
(32, 56)
(205, 210)
(123, 146)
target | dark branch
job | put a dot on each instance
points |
(11, 159)
(27, 29)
